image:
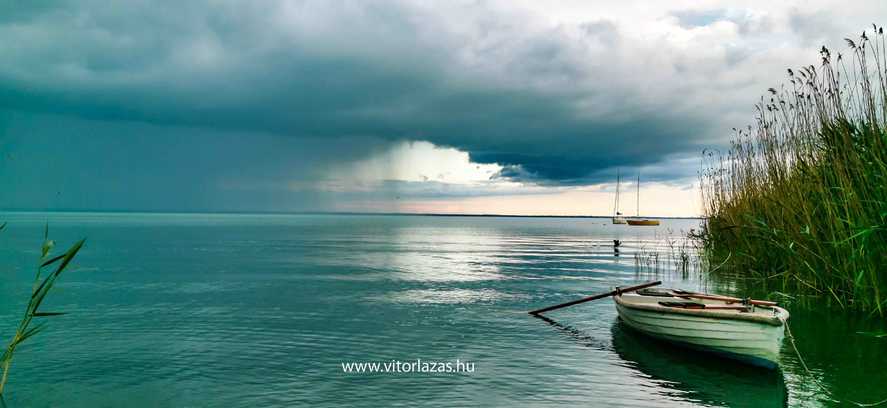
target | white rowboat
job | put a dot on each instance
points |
(712, 323)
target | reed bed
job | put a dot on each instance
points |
(676, 256)
(800, 199)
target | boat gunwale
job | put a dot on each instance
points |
(773, 320)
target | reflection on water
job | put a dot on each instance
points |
(699, 377)
(446, 296)
(683, 374)
(261, 310)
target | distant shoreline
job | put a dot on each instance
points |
(346, 213)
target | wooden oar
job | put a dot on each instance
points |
(596, 297)
(728, 299)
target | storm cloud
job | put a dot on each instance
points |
(554, 101)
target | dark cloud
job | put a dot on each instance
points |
(394, 71)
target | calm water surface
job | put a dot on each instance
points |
(261, 310)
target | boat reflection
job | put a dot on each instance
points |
(706, 379)
(687, 375)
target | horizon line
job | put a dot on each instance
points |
(332, 213)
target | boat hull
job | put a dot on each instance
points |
(643, 222)
(618, 220)
(748, 341)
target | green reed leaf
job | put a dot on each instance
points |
(53, 260)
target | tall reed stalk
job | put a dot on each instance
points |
(800, 199)
(41, 287)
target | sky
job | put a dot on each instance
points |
(483, 107)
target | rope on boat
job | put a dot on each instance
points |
(791, 339)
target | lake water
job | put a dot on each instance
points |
(169, 310)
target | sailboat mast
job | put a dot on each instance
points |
(639, 195)
(616, 204)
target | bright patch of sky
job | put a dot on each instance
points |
(416, 161)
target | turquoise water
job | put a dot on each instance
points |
(262, 310)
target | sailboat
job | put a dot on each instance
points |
(638, 221)
(617, 216)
